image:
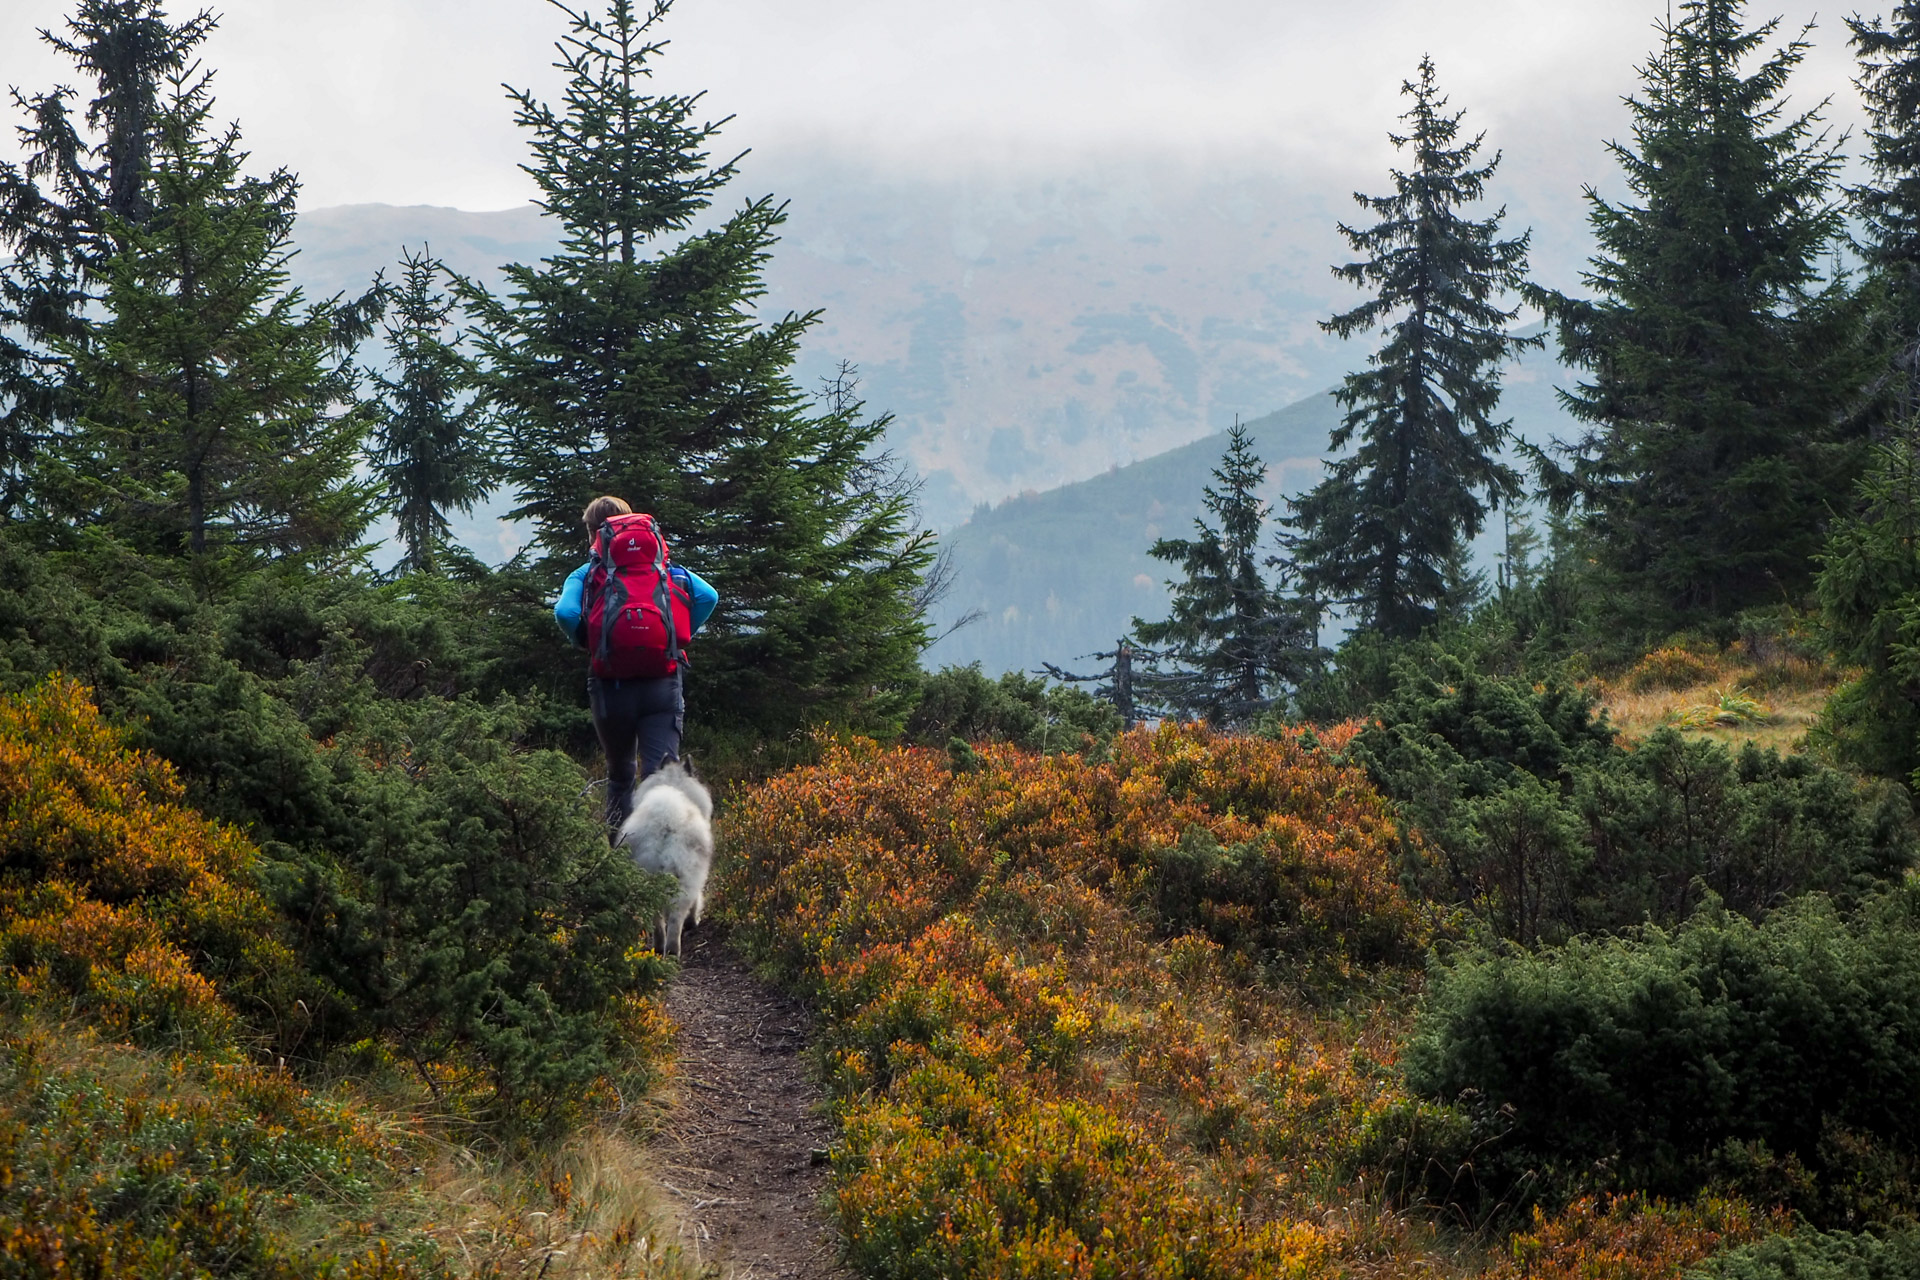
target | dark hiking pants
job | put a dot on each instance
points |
(639, 724)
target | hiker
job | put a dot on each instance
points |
(634, 613)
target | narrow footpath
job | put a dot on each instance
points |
(741, 1149)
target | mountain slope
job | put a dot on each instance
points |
(1023, 333)
(1063, 573)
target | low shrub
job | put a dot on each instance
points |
(114, 1164)
(1026, 969)
(1816, 1255)
(1782, 1059)
(962, 702)
(1547, 828)
(1627, 1238)
(484, 926)
(952, 1176)
(116, 899)
(1674, 667)
(873, 845)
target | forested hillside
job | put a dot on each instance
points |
(1488, 851)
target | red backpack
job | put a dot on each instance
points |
(638, 620)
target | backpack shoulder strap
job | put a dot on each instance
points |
(663, 595)
(616, 590)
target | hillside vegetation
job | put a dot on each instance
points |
(149, 1123)
(1148, 1013)
(1562, 922)
(1060, 573)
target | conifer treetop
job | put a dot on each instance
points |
(1381, 533)
(1234, 640)
(616, 165)
(1721, 357)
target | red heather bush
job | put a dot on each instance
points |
(873, 845)
(953, 1176)
(1629, 1238)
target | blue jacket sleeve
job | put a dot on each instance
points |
(702, 599)
(566, 610)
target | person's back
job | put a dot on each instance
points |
(634, 611)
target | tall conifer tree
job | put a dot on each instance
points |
(1234, 641)
(1869, 593)
(1719, 362)
(631, 362)
(430, 431)
(214, 403)
(1382, 533)
(1889, 204)
(55, 207)
(1889, 84)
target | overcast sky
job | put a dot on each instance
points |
(398, 101)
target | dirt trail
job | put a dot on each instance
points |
(739, 1147)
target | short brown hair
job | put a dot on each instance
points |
(599, 510)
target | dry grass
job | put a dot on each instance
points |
(587, 1206)
(1726, 695)
(590, 1208)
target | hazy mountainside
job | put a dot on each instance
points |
(1072, 350)
(1024, 333)
(1063, 573)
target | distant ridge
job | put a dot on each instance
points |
(1022, 334)
(1063, 573)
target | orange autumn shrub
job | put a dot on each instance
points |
(952, 1176)
(1027, 969)
(873, 845)
(1630, 1238)
(113, 895)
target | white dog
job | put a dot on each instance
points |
(671, 831)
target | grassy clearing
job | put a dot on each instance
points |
(1731, 695)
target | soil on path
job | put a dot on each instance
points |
(741, 1147)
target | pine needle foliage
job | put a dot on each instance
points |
(54, 209)
(431, 430)
(632, 362)
(1889, 207)
(1719, 361)
(217, 409)
(1380, 534)
(1233, 639)
(1869, 593)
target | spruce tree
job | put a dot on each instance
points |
(1234, 641)
(1889, 84)
(213, 404)
(1719, 363)
(631, 362)
(1869, 594)
(1889, 205)
(55, 207)
(430, 433)
(1384, 532)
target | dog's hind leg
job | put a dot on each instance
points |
(675, 923)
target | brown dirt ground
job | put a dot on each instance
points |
(741, 1148)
